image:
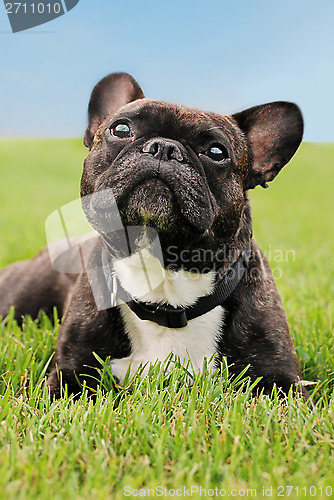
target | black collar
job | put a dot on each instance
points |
(178, 317)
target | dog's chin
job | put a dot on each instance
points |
(153, 204)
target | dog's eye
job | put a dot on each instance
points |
(120, 130)
(217, 152)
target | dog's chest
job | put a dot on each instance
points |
(151, 342)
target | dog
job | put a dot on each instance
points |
(183, 174)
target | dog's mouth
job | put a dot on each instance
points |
(165, 200)
(152, 203)
(158, 187)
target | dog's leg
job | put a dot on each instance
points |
(33, 285)
(256, 331)
(86, 331)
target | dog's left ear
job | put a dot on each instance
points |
(109, 94)
(274, 132)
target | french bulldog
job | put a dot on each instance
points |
(184, 174)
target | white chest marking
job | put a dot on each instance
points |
(151, 342)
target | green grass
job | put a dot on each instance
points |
(37, 177)
(159, 430)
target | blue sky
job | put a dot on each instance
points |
(216, 55)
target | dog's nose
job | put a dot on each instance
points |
(162, 149)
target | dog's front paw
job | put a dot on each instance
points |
(122, 367)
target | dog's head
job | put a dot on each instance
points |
(181, 171)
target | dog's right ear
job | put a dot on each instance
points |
(110, 94)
